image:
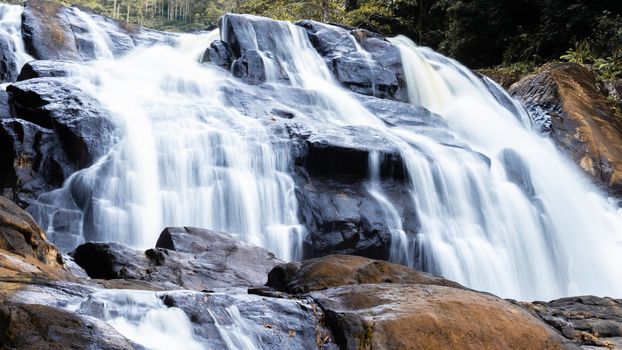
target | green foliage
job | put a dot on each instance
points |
(602, 50)
(291, 10)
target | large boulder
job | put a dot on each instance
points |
(188, 258)
(565, 100)
(32, 160)
(378, 305)
(29, 326)
(416, 316)
(85, 130)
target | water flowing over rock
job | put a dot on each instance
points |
(566, 102)
(305, 139)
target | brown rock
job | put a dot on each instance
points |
(342, 270)
(414, 316)
(20, 235)
(581, 122)
(28, 326)
(371, 304)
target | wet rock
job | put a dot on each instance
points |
(50, 69)
(344, 270)
(361, 60)
(218, 53)
(111, 261)
(5, 107)
(20, 235)
(183, 258)
(343, 217)
(8, 67)
(28, 326)
(250, 67)
(32, 160)
(85, 129)
(587, 320)
(565, 99)
(273, 323)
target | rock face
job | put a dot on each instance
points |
(587, 320)
(564, 100)
(189, 258)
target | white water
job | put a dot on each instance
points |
(11, 26)
(526, 226)
(482, 229)
(186, 159)
(142, 317)
(100, 38)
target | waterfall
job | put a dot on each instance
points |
(11, 30)
(186, 158)
(506, 213)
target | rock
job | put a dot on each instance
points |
(273, 323)
(5, 107)
(20, 235)
(188, 258)
(50, 69)
(565, 98)
(345, 270)
(32, 161)
(361, 60)
(111, 261)
(83, 126)
(342, 216)
(28, 326)
(502, 77)
(8, 67)
(587, 320)
(55, 32)
(417, 316)
(218, 53)
(371, 304)
(47, 31)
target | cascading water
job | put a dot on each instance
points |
(10, 29)
(506, 214)
(186, 159)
